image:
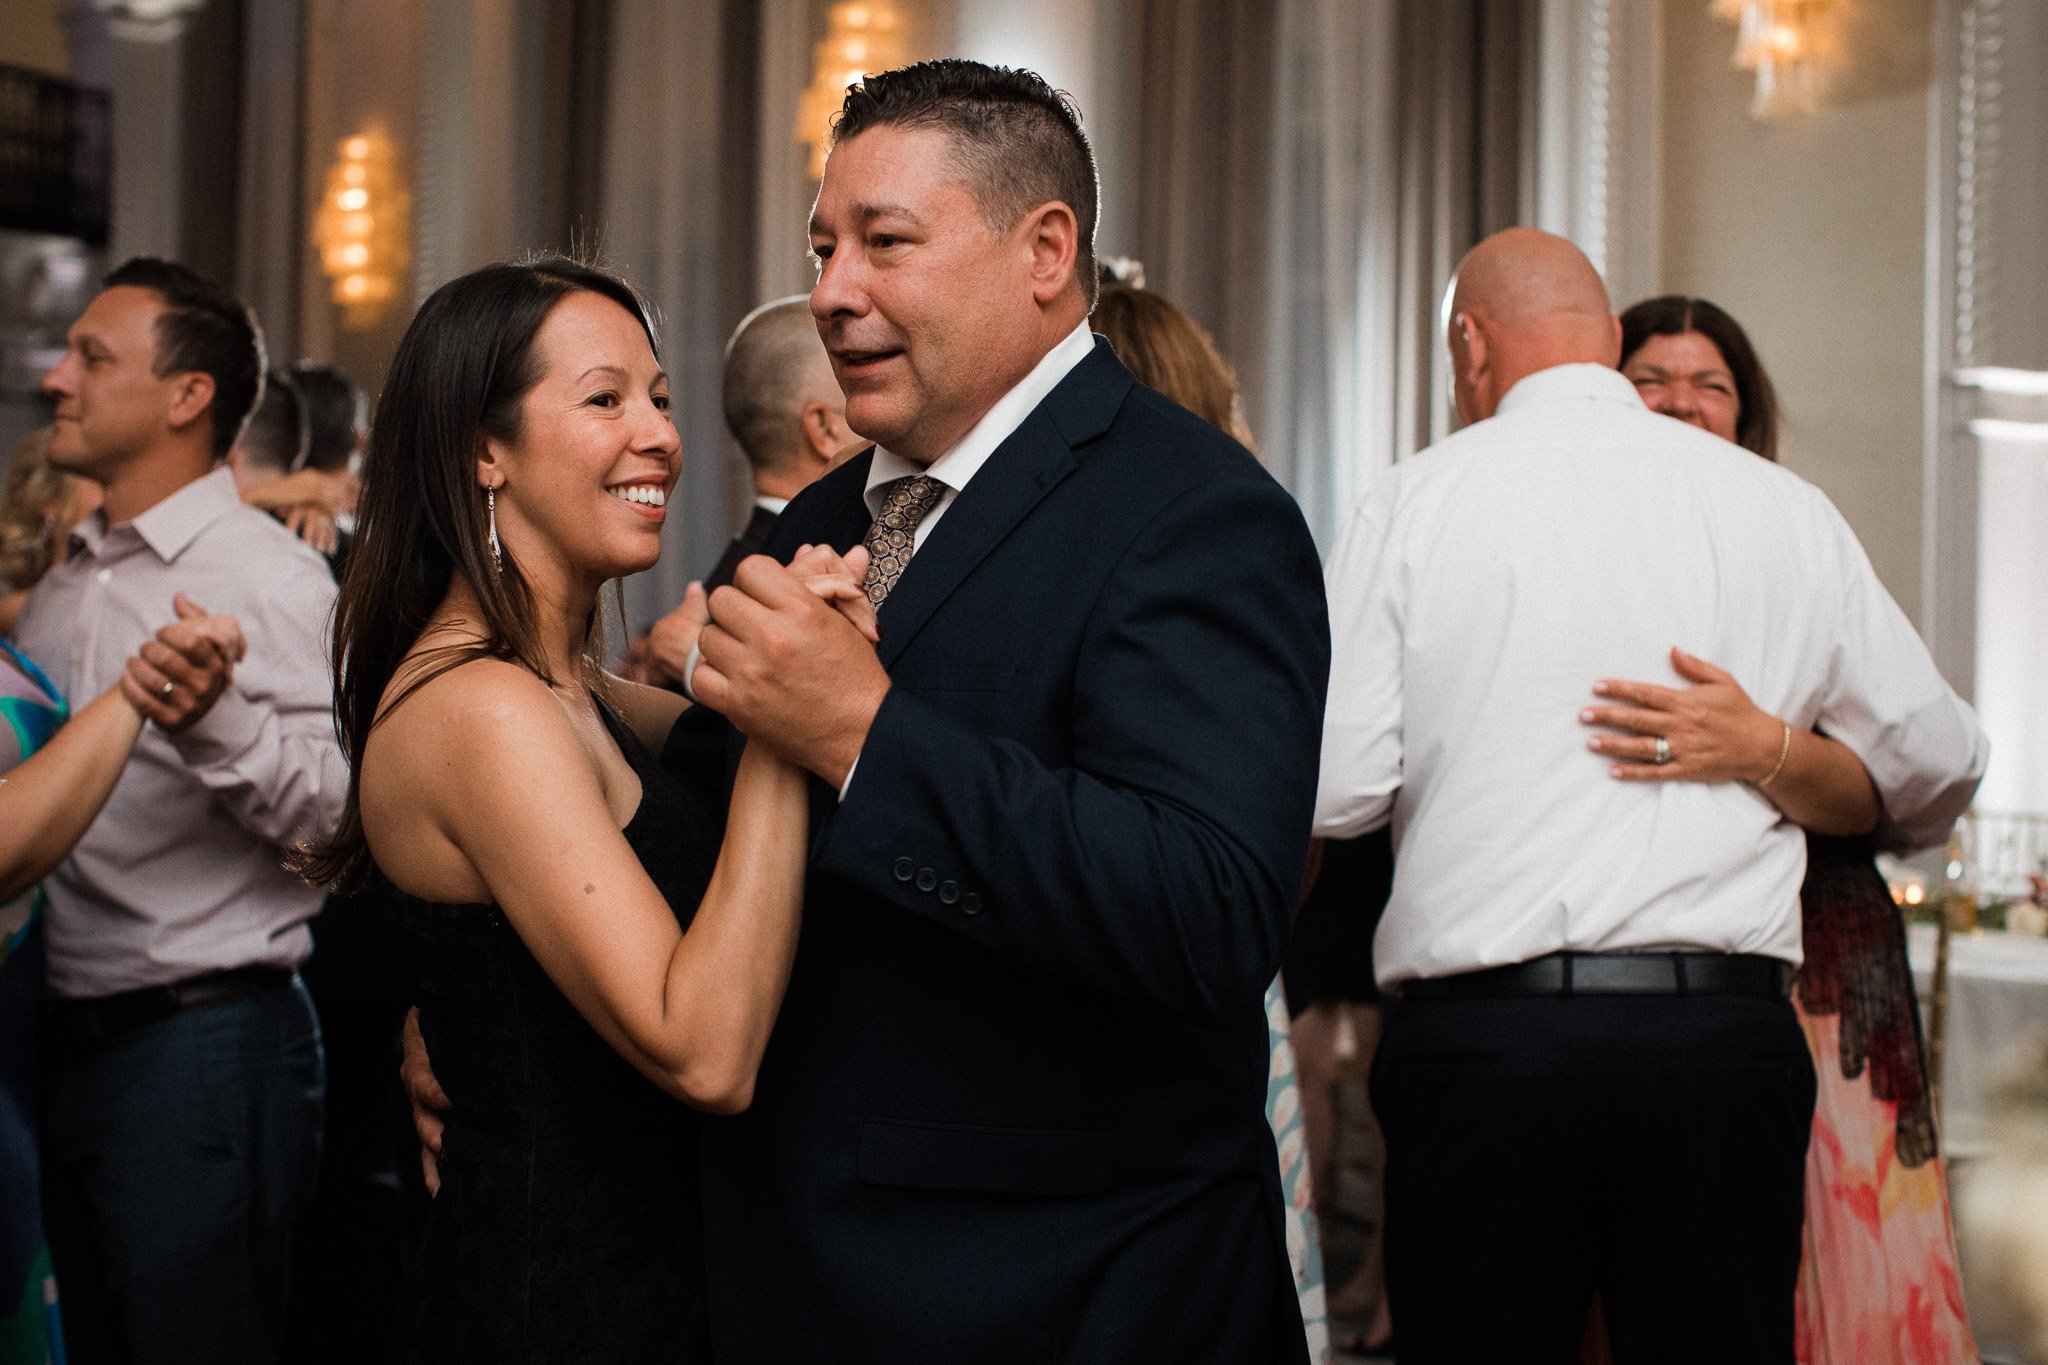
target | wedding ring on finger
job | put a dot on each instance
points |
(166, 690)
(1663, 751)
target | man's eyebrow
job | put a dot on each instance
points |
(867, 213)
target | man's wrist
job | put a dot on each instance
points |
(844, 758)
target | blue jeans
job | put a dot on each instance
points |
(176, 1161)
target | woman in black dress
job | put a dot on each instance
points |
(593, 942)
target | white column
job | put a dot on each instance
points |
(148, 126)
(1597, 149)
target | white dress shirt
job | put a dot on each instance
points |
(997, 425)
(1484, 586)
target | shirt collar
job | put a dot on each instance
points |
(176, 522)
(768, 504)
(958, 465)
(1597, 383)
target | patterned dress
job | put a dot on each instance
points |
(1304, 1238)
(30, 712)
(1877, 1282)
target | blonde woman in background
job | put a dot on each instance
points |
(38, 507)
(1167, 350)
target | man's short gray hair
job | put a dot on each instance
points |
(770, 365)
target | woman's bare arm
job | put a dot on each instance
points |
(48, 802)
(490, 759)
(1715, 733)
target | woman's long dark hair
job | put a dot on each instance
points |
(460, 374)
(1756, 425)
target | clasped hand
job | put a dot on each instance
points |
(176, 678)
(788, 657)
(1714, 732)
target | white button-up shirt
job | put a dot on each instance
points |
(1480, 590)
(997, 425)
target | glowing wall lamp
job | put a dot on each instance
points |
(862, 36)
(1786, 43)
(360, 227)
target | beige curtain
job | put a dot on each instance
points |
(1310, 171)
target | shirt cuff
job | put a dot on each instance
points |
(223, 734)
(690, 668)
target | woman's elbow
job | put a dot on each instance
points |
(723, 1088)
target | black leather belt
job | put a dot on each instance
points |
(81, 1024)
(1567, 974)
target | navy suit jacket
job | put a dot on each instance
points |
(1013, 1106)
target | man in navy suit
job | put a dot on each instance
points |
(1012, 1110)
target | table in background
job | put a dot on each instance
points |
(1997, 997)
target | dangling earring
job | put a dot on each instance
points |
(497, 553)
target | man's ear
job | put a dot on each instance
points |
(1473, 334)
(825, 432)
(1053, 239)
(191, 399)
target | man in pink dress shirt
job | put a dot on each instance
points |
(183, 1074)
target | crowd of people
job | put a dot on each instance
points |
(930, 942)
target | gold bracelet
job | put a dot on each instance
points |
(1784, 748)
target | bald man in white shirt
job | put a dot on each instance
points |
(1594, 1079)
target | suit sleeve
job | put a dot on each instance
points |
(1162, 863)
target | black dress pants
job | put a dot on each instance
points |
(1540, 1147)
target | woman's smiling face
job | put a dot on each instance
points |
(1686, 376)
(586, 480)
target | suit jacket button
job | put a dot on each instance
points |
(905, 869)
(926, 879)
(949, 892)
(970, 903)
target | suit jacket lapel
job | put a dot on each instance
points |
(1023, 469)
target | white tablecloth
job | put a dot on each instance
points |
(1997, 996)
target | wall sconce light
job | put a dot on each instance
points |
(360, 228)
(1786, 43)
(860, 36)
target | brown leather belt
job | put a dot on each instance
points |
(81, 1024)
(1568, 974)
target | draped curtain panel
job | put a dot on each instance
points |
(1309, 173)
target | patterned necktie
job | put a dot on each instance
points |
(893, 537)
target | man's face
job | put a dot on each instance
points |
(927, 312)
(111, 405)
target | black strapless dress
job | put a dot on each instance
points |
(569, 1223)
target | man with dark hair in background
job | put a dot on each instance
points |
(1013, 1109)
(182, 1059)
(784, 408)
(273, 439)
(315, 494)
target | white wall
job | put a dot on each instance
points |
(1811, 231)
